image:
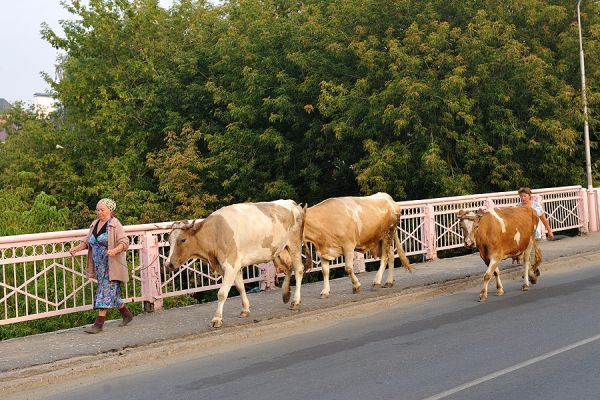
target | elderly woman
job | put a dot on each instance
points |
(106, 243)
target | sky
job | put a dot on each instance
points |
(23, 52)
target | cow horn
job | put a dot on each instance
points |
(177, 224)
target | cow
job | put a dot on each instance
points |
(501, 233)
(239, 235)
(341, 225)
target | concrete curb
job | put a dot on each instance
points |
(36, 377)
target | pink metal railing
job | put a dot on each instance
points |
(39, 278)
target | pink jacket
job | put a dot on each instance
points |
(117, 265)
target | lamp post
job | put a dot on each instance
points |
(592, 201)
(586, 131)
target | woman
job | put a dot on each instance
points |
(106, 243)
(527, 201)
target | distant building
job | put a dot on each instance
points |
(4, 108)
(43, 104)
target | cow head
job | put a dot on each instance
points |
(469, 221)
(180, 240)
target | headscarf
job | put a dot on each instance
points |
(109, 203)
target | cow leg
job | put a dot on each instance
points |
(285, 287)
(299, 274)
(499, 286)
(382, 264)
(349, 267)
(534, 271)
(228, 279)
(239, 284)
(487, 277)
(325, 271)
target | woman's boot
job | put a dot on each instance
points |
(97, 327)
(127, 316)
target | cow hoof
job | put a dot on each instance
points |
(525, 288)
(389, 284)
(356, 290)
(216, 323)
(533, 278)
(244, 314)
(377, 286)
(500, 292)
(324, 296)
(295, 306)
(482, 298)
(286, 298)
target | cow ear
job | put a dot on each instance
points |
(196, 226)
(481, 211)
(460, 213)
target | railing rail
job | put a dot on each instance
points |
(39, 278)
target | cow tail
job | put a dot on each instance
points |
(308, 258)
(401, 255)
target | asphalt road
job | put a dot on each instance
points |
(541, 344)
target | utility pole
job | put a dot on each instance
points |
(586, 130)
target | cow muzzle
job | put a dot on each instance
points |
(169, 266)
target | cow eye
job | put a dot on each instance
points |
(182, 241)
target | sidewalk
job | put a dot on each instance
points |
(28, 356)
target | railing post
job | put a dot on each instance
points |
(429, 236)
(150, 273)
(593, 202)
(584, 210)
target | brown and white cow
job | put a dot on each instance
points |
(239, 235)
(501, 233)
(341, 225)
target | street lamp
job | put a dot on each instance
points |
(586, 131)
(592, 200)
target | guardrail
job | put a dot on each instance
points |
(39, 278)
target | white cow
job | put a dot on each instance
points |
(342, 225)
(239, 235)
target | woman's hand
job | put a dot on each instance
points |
(75, 249)
(115, 251)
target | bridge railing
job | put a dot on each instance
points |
(39, 278)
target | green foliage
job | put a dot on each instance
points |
(191, 108)
(19, 216)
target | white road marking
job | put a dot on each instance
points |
(512, 369)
